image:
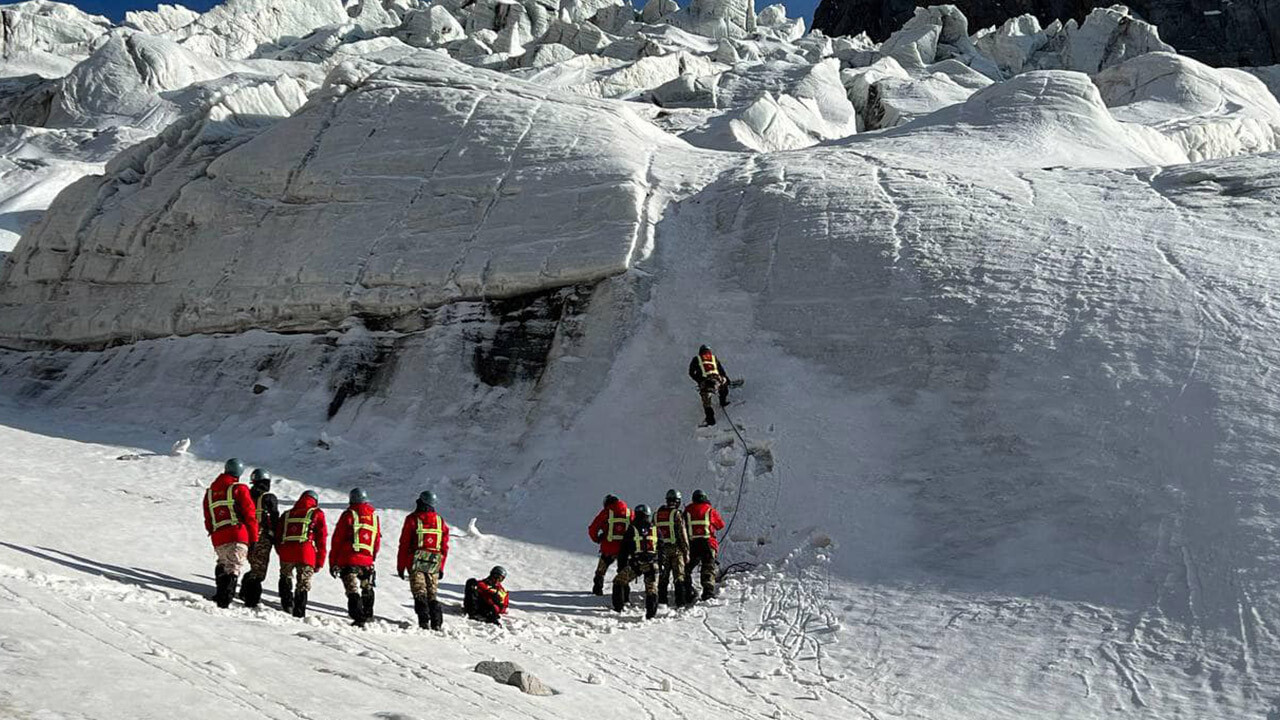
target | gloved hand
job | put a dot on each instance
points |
(441, 574)
(400, 573)
(333, 570)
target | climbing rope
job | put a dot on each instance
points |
(742, 566)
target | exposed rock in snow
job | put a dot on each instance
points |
(499, 670)
(717, 18)
(180, 447)
(529, 684)
(1210, 113)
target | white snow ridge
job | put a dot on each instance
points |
(1002, 299)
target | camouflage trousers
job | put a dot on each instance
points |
(602, 565)
(231, 557)
(671, 562)
(649, 569)
(259, 560)
(424, 585)
(710, 388)
(357, 579)
(303, 571)
(703, 556)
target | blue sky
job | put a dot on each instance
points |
(115, 9)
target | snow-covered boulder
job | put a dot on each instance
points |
(656, 10)
(468, 185)
(1209, 112)
(858, 82)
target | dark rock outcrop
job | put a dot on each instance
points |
(1240, 33)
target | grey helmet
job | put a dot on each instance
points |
(311, 494)
(233, 467)
(673, 497)
(642, 513)
(699, 496)
(426, 499)
(357, 496)
(261, 479)
(498, 572)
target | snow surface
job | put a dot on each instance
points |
(1007, 442)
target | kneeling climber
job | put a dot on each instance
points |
(486, 600)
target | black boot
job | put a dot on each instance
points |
(708, 592)
(355, 608)
(368, 604)
(286, 594)
(423, 612)
(677, 589)
(300, 604)
(437, 614)
(251, 592)
(232, 581)
(626, 593)
(469, 604)
(662, 595)
(225, 590)
(619, 596)
(689, 596)
(650, 606)
(711, 416)
(597, 585)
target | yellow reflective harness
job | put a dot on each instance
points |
(666, 525)
(700, 527)
(709, 365)
(228, 503)
(370, 530)
(427, 558)
(615, 534)
(302, 535)
(646, 541)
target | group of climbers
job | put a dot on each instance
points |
(663, 547)
(244, 522)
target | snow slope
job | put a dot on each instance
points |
(1006, 446)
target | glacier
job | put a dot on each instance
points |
(1003, 300)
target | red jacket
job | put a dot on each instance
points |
(608, 534)
(301, 542)
(704, 523)
(238, 521)
(431, 542)
(343, 552)
(495, 596)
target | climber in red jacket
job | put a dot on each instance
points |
(704, 523)
(357, 537)
(231, 519)
(607, 530)
(424, 548)
(302, 534)
(486, 600)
